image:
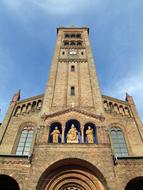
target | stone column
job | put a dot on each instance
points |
(63, 132)
(82, 131)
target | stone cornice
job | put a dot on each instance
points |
(73, 60)
(11, 162)
(130, 160)
(30, 99)
(14, 159)
(109, 98)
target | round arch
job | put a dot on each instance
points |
(52, 128)
(68, 125)
(135, 183)
(8, 183)
(72, 173)
(93, 127)
(27, 124)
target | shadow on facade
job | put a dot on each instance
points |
(8, 183)
(135, 184)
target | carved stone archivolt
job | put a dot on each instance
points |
(70, 177)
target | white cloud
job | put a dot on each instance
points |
(133, 85)
(62, 6)
(54, 7)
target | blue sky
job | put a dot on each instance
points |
(28, 36)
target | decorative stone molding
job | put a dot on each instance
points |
(73, 109)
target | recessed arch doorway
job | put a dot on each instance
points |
(135, 184)
(72, 174)
(8, 183)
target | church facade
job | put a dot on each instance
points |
(71, 137)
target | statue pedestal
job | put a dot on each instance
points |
(70, 141)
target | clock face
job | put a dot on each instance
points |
(72, 51)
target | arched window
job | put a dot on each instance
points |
(39, 104)
(111, 107)
(116, 108)
(67, 35)
(119, 144)
(18, 111)
(79, 43)
(23, 109)
(78, 35)
(127, 111)
(72, 68)
(72, 35)
(121, 110)
(72, 43)
(34, 106)
(25, 141)
(66, 43)
(29, 107)
(72, 92)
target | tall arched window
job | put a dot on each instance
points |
(72, 92)
(72, 68)
(119, 143)
(25, 141)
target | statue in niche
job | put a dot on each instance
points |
(90, 135)
(55, 135)
(72, 136)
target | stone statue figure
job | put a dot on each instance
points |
(72, 136)
(90, 135)
(55, 135)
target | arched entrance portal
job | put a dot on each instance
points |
(135, 184)
(8, 183)
(72, 174)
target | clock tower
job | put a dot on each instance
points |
(72, 80)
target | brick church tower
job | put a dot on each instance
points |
(71, 137)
